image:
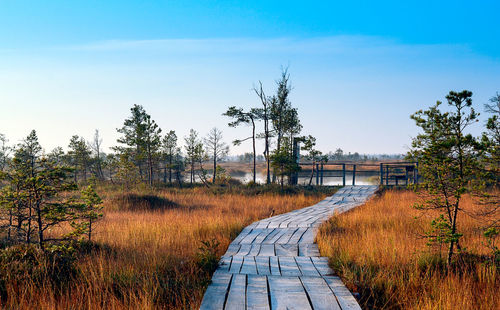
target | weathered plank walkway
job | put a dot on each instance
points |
(275, 264)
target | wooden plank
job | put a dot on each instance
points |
(344, 297)
(308, 236)
(236, 264)
(262, 224)
(275, 267)
(244, 249)
(286, 249)
(286, 236)
(297, 235)
(288, 258)
(215, 296)
(271, 235)
(225, 263)
(267, 250)
(306, 266)
(263, 235)
(320, 294)
(248, 266)
(251, 236)
(273, 224)
(288, 266)
(287, 293)
(321, 264)
(254, 251)
(236, 299)
(242, 235)
(257, 297)
(284, 224)
(232, 249)
(310, 249)
(263, 267)
(280, 232)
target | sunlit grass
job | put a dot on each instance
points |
(379, 251)
(149, 241)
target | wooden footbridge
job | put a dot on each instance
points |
(275, 264)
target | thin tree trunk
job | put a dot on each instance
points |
(90, 229)
(453, 231)
(40, 226)
(266, 129)
(10, 226)
(170, 168)
(312, 173)
(215, 163)
(254, 155)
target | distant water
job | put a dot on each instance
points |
(261, 178)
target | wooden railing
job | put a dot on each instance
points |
(387, 173)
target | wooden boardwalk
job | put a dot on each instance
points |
(275, 264)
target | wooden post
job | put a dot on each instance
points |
(407, 176)
(386, 174)
(343, 174)
(354, 174)
(321, 180)
(381, 174)
(317, 174)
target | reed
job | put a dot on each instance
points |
(379, 251)
(147, 249)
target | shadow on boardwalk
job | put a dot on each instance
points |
(275, 264)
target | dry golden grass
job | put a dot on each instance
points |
(149, 242)
(379, 252)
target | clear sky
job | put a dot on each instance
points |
(358, 68)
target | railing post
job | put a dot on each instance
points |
(386, 174)
(343, 174)
(381, 174)
(321, 180)
(353, 174)
(407, 176)
(317, 174)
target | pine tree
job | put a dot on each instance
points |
(79, 153)
(449, 163)
(169, 145)
(194, 151)
(141, 137)
(240, 117)
(32, 195)
(89, 212)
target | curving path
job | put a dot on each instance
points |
(275, 264)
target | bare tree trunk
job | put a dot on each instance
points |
(40, 226)
(10, 226)
(254, 155)
(90, 229)
(170, 168)
(312, 172)
(453, 231)
(215, 162)
(192, 171)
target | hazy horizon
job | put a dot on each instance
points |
(355, 82)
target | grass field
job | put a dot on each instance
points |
(379, 252)
(148, 255)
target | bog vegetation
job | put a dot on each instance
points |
(143, 226)
(381, 252)
(434, 247)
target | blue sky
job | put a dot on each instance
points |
(358, 68)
